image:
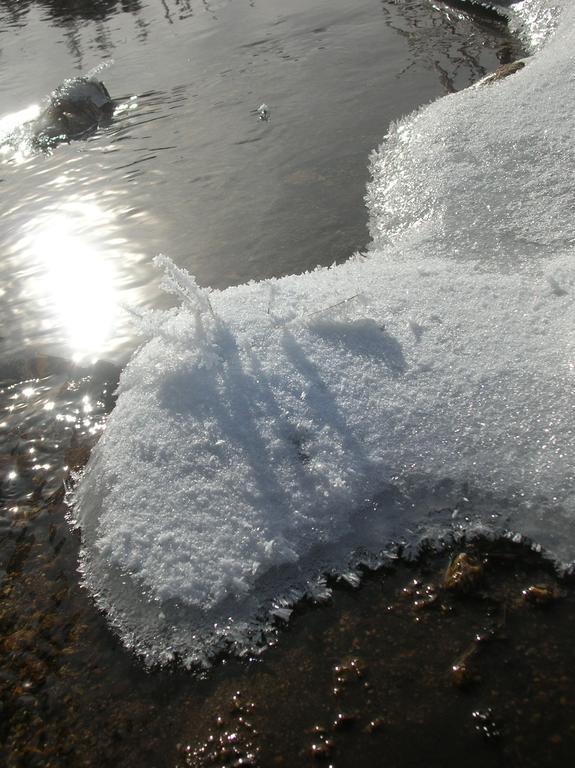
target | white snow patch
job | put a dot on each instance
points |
(275, 432)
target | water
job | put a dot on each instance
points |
(187, 168)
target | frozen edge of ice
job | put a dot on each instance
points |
(251, 639)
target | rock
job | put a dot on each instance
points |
(75, 109)
(462, 573)
(503, 71)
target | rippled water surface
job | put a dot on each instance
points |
(186, 167)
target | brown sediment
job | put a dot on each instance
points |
(370, 674)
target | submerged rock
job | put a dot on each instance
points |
(541, 594)
(75, 109)
(462, 574)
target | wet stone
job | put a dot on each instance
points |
(463, 573)
(541, 594)
(505, 70)
(460, 675)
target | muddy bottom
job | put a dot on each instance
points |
(422, 665)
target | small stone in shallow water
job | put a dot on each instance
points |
(236, 703)
(425, 598)
(503, 71)
(540, 594)
(245, 724)
(463, 573)
(461, 675)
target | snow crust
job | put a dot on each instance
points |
(277, 431)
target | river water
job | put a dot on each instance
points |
(186, 168)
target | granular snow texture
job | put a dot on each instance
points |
(274, 431)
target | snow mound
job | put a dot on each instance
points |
(274, 432)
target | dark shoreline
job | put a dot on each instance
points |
(402, 668)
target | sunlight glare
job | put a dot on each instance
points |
(76, 277)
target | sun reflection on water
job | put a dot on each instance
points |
(74, 273)
(14, 142)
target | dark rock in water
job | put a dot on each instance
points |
(541, 594)
(75, 109)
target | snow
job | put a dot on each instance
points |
(277, 431)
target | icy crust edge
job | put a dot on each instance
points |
(534, 21)
(162, 635)
(398, 198)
